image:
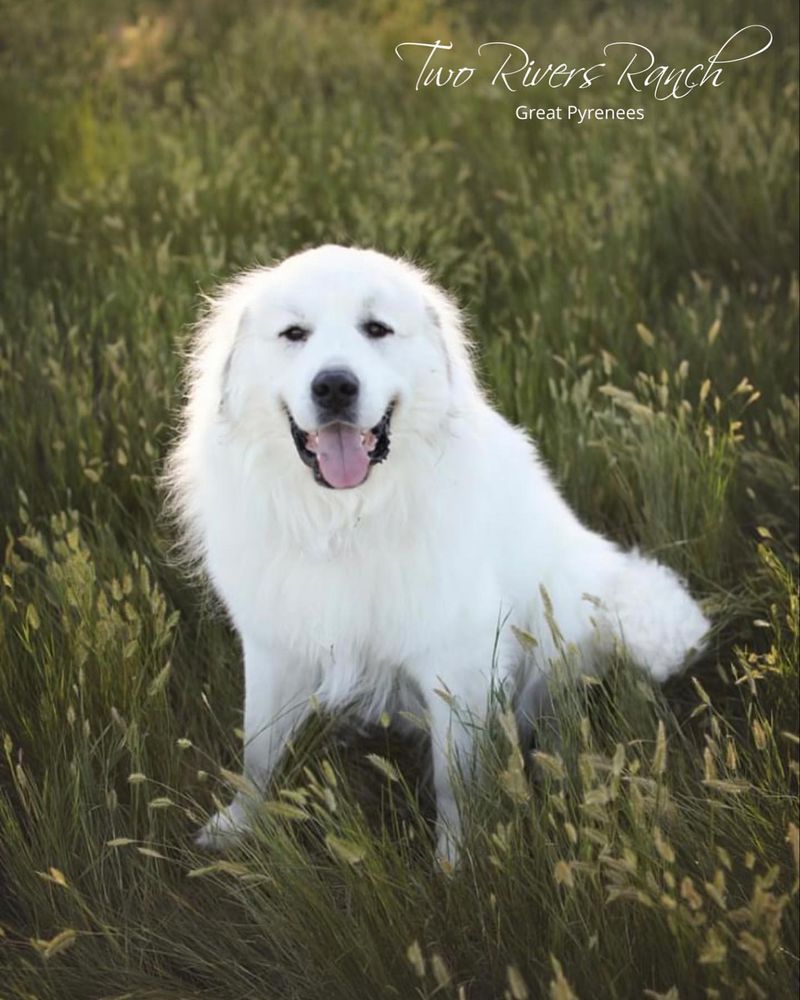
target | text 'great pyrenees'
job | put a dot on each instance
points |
(370, 521)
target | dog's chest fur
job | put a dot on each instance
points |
(335, 581)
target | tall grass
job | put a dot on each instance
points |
(634, 293)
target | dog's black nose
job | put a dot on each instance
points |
(335, 390)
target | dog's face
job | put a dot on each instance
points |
(340, 349)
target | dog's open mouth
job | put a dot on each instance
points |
(340, 455)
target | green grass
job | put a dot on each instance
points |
(634, 292)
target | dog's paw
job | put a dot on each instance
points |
(447, 850)
(225, 829)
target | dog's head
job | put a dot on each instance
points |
(338, 349)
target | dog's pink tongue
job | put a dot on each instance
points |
(342, 457)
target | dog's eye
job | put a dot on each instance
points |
(295, 333)
(374, 329)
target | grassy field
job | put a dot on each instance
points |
(634, 291)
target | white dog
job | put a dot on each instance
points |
(373, 525)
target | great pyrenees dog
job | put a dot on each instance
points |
(377, 531)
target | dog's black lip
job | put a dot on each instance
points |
(381, 430)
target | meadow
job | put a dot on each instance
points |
(633, 290)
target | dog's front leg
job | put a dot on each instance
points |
(277, 693)
(456, 683)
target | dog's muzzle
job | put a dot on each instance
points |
(340, 454)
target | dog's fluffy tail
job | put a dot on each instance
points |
(648, 608)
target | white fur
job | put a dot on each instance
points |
(406, 579)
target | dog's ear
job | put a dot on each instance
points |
(229, 401)
(448, 322)
(218, 336)
(207, 382)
